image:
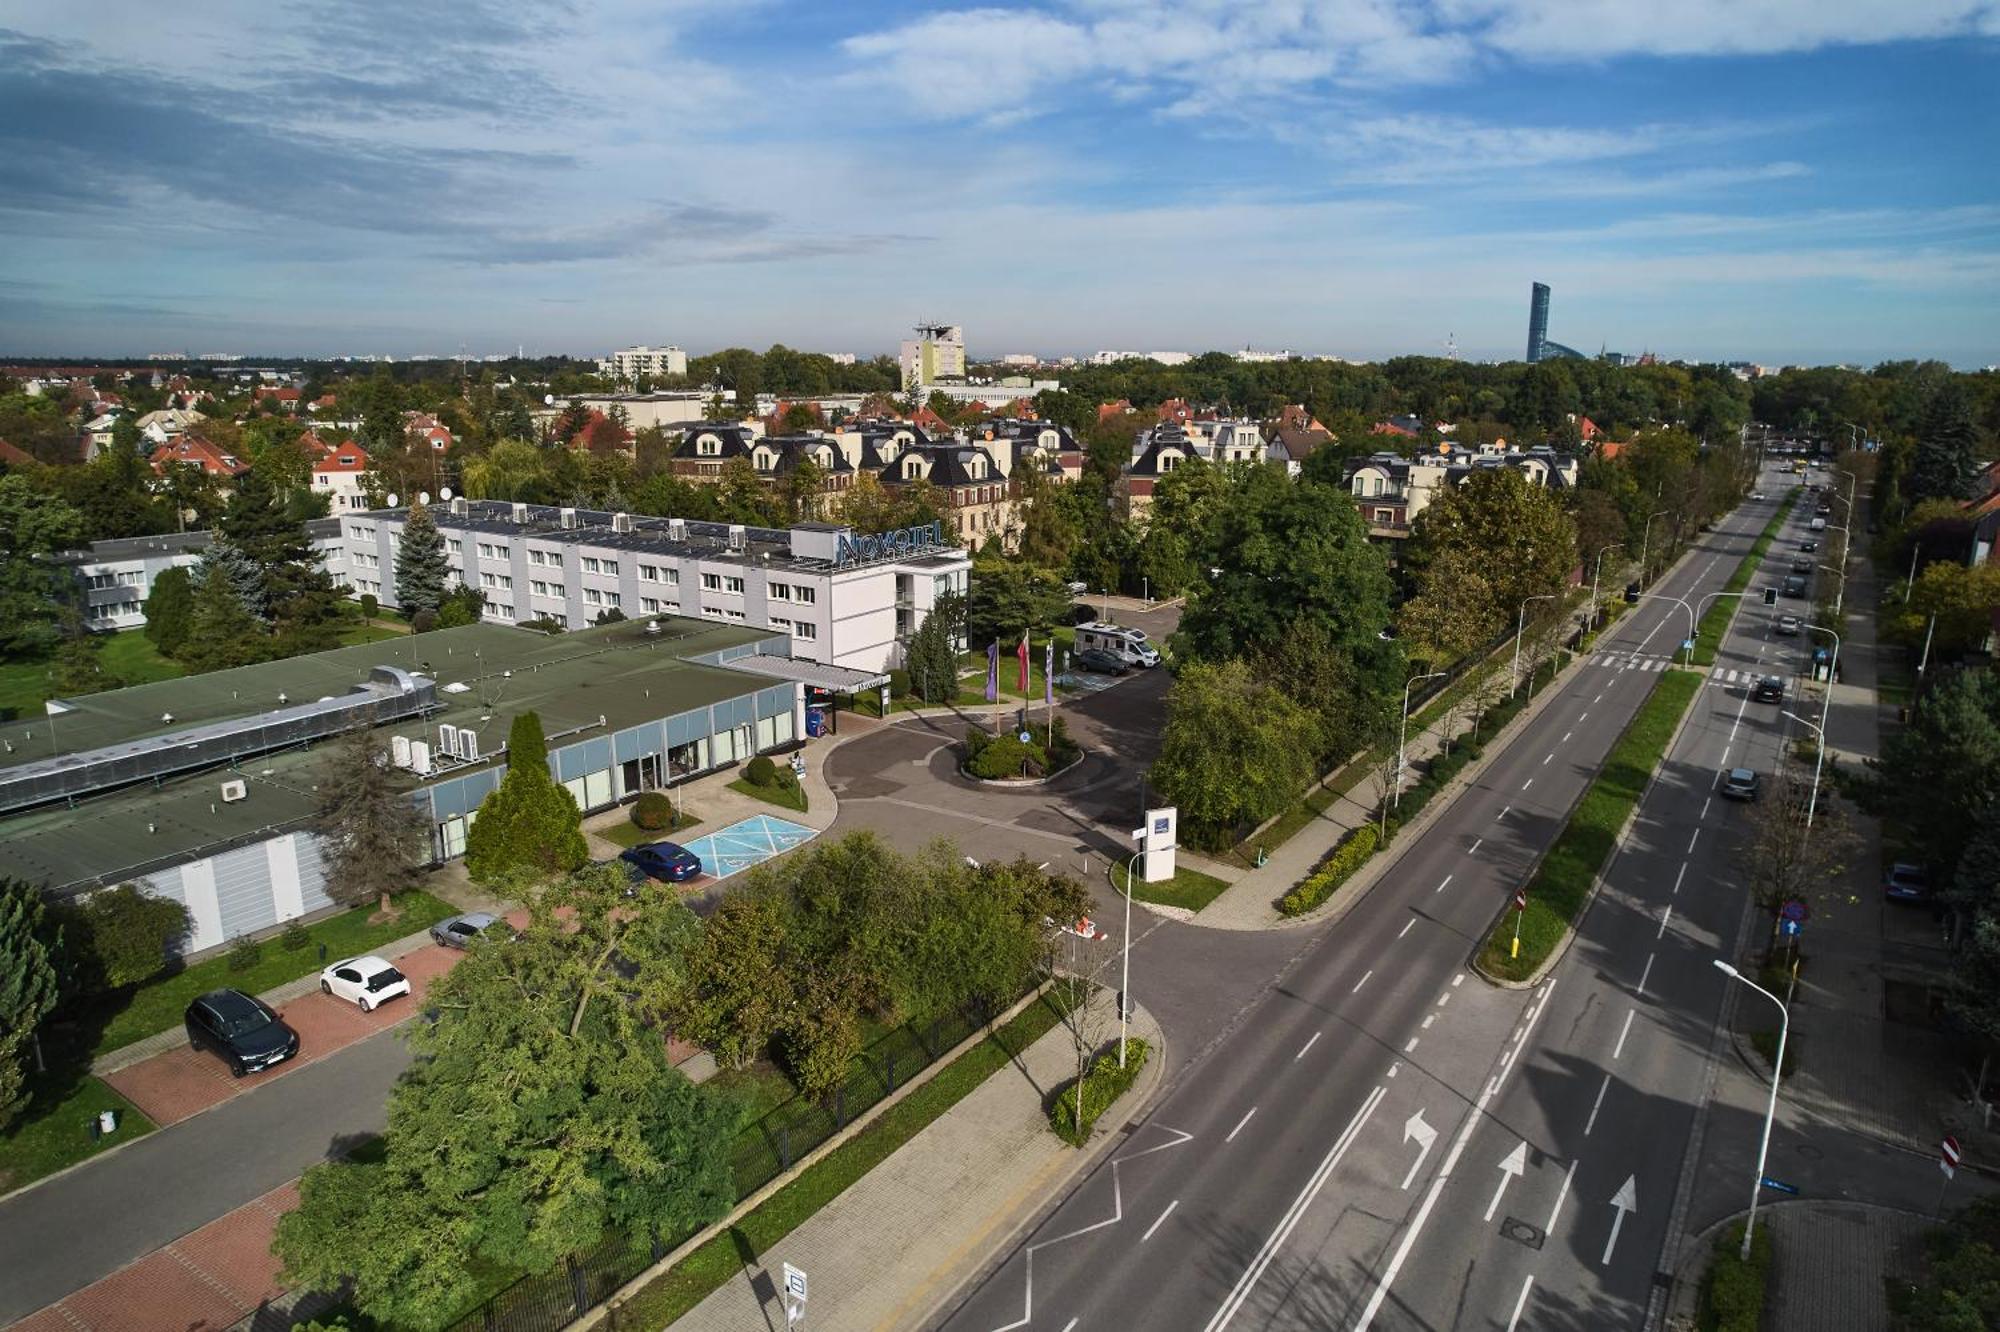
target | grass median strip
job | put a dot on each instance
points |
(675, 1292)
(1562, 882)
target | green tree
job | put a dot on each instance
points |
(117, 937)
(1232, 752)
(1937, 774)
(32, 591)
(737, 994)
(1457, 611)
(79, 664)
(930, 657)
(224, 559)
(1309, 667)
(529, 825)
(169, 608)
(1959, 1290)
(299, 597)
(1962, 598)
(422, 569)
(512, 469)
(27, 990)
(1503, 527)
(461, 606)
(1004, 597)
(372, 835)
(1947, 454)
(220, 632)
(539, 1121)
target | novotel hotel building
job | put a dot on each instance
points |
(847, 599)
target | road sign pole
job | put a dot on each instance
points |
(1520, 910)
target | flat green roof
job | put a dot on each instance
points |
(618, 672)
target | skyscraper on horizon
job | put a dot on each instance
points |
(1538, 321)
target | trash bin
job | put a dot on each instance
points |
(815, 722)
(107, 1123)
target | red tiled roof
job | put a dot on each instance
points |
(191, 451)
(12, 456)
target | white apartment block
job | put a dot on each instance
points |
(117, 576)
(633, 362)
(845, 599)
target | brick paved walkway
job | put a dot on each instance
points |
(1828, 1262)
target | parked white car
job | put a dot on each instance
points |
(368, 982)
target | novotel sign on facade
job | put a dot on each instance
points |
(858, 549)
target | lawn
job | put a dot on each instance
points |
(1561, 884)
(53, 1137)
(1189, 889)
(630, 834)
(675, 1292)
(129, 657)
(158, 1005)
(783, 797)
(357, 632)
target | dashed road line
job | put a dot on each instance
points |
(1475, 846)
(1411, 1047)
(1646, 974)
(1307, 1046)
(1240, 1123)
(1619, 1049)
(1440, 888)
(1597, 1105)
(1406, 927)
(1148, 1235)
(1364, 979)
(1665, 916)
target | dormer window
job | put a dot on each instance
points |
(766, 460)
(910, 468)
(708, 446)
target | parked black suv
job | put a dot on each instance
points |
(240, 1028)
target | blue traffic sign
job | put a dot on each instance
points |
(1790, 928)
(1780, 1185)
(1795, 910)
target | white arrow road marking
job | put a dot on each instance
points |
(1248, 1281)
(1625, 1200)
(1426, 1137)
(1512, 1166)
(1117, 1215)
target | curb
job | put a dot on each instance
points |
(1692, 1270)
(1050, 1192)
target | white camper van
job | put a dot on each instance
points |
(1128, 645)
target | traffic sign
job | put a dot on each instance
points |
(1790, 928)
(1949, 1156)
(1026, 736)
(1520, 899)
(1780, 1185)
(1795, 910)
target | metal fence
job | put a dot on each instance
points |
(762, 1150)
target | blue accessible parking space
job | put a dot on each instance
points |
(741, 845)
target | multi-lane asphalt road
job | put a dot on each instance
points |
(1379, 1138)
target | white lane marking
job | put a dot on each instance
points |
(1706, 802)
(1566, 736)
(1277, 1237)
(1240, 1123)
(1444, 998)
(1364, 979)
(1411, 1047)
(1646, 975)
(1148, 1235)
(1458, 980)
(1440, 887)
(1623, 1033)
(1599, 698)
(1546, 758)
(1406, 927)
(1522, 1303)
(1438, 1182)
(1583, 716)
(1504, 812)
(1428, 1019)
(1561, 1194)
(1691, 840)
(1680, 876)
(1597, 1105)
(1475, 846)
(1665, 916)
(1395, 1068)
(1307, 1046)
(1525, 785)
(1072, 1323)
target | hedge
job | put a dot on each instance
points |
(1732, 1299)
(760, 771)
(1352, 853)
(653, 811)
(1103, 1083)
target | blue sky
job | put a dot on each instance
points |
(1774, 180)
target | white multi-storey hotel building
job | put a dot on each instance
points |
(846, 599)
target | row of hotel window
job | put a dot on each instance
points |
(500, 610)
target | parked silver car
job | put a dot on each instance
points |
(460, 931)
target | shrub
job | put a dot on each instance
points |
(653, 811)
(424, 621)
(369, 605)
(244, 953)
(1733, 1296)
(296, 938)
(1103, 1083)
(760, 771)
(786, 779)
(118, 937)
(976, 739)
(1352, 853)
(1005, 756)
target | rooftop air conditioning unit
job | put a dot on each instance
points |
(520, 513)
(738, 538)
(567, 517)
(420, 758)
(233, 792)
(399, 750)
(677, 529)
(460, 506)
(468, 745)
(448, 740)
(621, 522)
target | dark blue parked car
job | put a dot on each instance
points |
(664, 860)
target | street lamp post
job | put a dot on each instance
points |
(1596, 570)
(1521, 623)
(1819, 733)
(1832, 673)
(1125, 965)
(1403, 737)
(1909, 580)
(1924, 661)
(1682, 603)
(1646, 543)
(1771, 1106)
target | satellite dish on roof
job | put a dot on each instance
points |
(548, 400)
(392, 499)
(445, 494)
(423, 497)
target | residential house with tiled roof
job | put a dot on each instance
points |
(975, 489)
(168, 424)
(194, 451)
(287, 399)
(1293, 438)
(1043, 446)
(1392, 490)
(13, 457)
(340, 472)
(706, 449)
(428, 430)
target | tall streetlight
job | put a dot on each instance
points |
(1521, 623)
(1403, 738)
(1597, 569)
(1819, 734)
(1832, 671)
(1682, 603)
(1771, 1107)
(1839, 588)
(1125, 966)
(1646, 543)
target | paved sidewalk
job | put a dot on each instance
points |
(896, 1246)
(1828, 1263)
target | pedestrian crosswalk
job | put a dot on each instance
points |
(1629, 661)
